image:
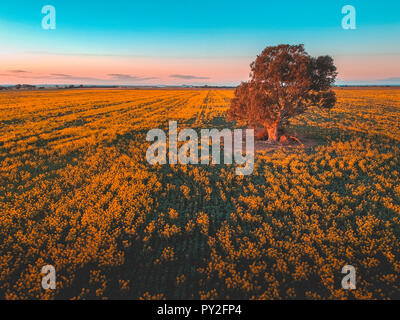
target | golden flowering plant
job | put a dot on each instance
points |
(76, 192)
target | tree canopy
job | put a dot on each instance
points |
(284, 81)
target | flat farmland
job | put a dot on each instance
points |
(76, 192)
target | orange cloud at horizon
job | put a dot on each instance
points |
(40, 68)
(368, 67)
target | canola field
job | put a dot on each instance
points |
(76, 192)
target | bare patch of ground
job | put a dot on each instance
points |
(261, 146)
(265, 146)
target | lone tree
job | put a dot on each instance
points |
(284, 82)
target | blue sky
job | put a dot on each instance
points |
(203, 41)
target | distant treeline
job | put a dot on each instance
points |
(32, 87)
(40, 87)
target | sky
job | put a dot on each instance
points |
(190, 42)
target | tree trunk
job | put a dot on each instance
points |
(273, 132)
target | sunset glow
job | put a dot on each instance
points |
(188, 43)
